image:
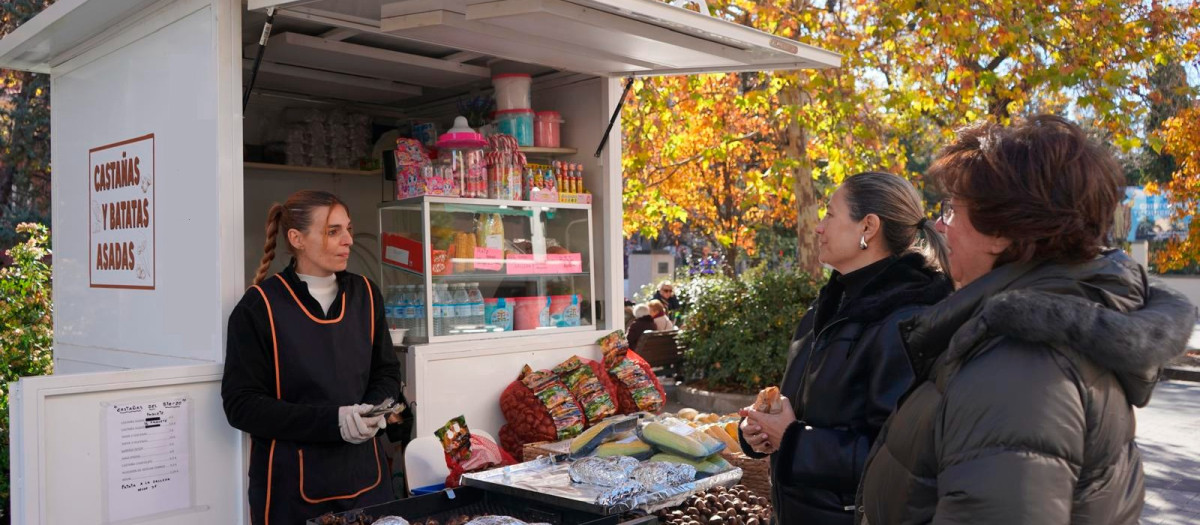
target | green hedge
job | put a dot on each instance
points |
(737, 330)
(26, 332)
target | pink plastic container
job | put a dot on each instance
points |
(529, 312)
(546, 129)
(558, 303)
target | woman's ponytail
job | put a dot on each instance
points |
(936, 243)
(274, 216)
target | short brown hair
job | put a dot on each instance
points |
(1042, 184)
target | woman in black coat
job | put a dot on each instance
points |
(1028, 375)
(846, 368)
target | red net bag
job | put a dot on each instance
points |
(638, 389)
(538, 407)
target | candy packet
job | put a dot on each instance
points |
(456, 439)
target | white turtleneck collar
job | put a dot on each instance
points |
(323, 289)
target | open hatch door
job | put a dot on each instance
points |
(611, 38)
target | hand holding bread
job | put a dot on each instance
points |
(769, 401)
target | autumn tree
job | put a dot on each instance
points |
(24, 134)
(1181, 139)
(914, 71)
(722, 177)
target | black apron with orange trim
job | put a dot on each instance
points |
(320, 362)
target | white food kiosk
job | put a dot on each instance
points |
(161, 187)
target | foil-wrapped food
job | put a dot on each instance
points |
(621, 494)
(658, 475)
(391, 520)
(499, 520)
(603, 471)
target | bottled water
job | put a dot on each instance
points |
(441, 309)
(407, 311)
(417, 303)
(475, 298)
(400, 307)
(462, 307)
(390, 312)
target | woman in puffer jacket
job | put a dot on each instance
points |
(846, 368)
(1027, 376)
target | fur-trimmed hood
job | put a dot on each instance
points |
(1105, 310)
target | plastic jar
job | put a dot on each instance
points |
(512, 90)
(545, 129)
(460, 158)
(518, 123)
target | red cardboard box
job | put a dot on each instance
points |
(402, 252)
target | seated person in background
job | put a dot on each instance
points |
(642, 323)
(659, 312)
(666, 294)
(670, 301)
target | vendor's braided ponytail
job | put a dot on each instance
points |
(294, 214)
(274, 216)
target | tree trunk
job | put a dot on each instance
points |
(807, 203)
(730, 260)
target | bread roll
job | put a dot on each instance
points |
(769, 401)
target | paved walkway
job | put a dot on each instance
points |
(1169, 436)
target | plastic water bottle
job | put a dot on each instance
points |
(462, 306)
(406, 309)
(389, 306)
(475, 298)
(449, 310)
(400, 308)
(416, 301)
(440, 309)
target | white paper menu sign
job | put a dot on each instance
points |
(148, 457)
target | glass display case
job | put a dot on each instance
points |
(455, 268)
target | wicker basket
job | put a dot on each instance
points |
(532, 451)
(756, 473)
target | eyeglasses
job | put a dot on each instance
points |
(667, 290)
(947, 212)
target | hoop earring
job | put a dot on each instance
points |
(862, 242)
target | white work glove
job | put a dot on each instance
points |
(358, 429)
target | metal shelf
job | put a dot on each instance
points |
(533, 150)
(489, 277)
(464, 205)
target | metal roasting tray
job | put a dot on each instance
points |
(446, 505)
(547, 480)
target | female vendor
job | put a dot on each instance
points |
(308, 355)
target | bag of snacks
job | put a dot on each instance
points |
(582, 377)
(538, 407)
(484, 455)
(456, 439)
(638, 389)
